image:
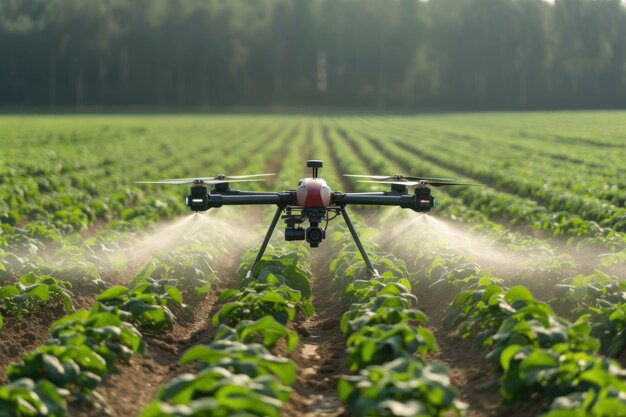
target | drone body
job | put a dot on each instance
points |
(312, 201)
(312, 193)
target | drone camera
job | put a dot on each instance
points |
(294, 233)
(198, 200)
(315, 235)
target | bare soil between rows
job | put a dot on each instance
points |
(320, 355)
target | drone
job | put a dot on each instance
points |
(312, 201)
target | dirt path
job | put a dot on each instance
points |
(320, 356)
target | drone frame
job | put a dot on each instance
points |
(323, 203)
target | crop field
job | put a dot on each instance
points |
(507, 299)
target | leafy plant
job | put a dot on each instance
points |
(217, 391)
(405, 387)
(24, 397)
(265, 330)
(382, 343)
(256, 302)
(251, 359)
(31, 290)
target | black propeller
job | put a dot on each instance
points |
(218, 179)
(397, 177)
(197, 181)
(422, 183)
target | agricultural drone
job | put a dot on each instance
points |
(312, 201)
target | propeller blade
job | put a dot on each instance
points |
(398, 177)
(249, 176)
(172, 182)
(192, 181)
(219, 178)
(405, 183)
(373, 177)
(416, 183)
(429, 179)
(441, 184)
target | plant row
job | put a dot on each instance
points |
(237, 374)
(84, 346)
(384, 334)
(579, 218)
(537, 351)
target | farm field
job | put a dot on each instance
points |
(507, 299)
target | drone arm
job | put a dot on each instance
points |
(205, 201)
(218, 200)
(410, 201)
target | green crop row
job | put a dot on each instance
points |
(554, 266)
(536, 350)
(72, 191)
(84, 346)
(519, 211)
(29, 292)
(583, 161)
(510, 173)
(236, 373)
(597, 224)
(600, 298)
(384, 331)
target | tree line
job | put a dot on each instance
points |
(435, 54)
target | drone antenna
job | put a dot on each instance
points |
(315, 164)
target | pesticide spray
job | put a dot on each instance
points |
(215, 229)
(487, 251)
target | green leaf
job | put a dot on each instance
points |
(8, 291)
(273, 297)
(518, 293)
(38, 291)
(112, 293)
(508, 355)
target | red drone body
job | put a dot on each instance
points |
(313, 193)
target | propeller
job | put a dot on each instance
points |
(198, 181)
(397, 177)
(218, 179)
(435, 183)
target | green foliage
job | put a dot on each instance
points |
(82, 349)
(250, 359)
(600, 298)
(265, 330)
(253, 303)
(381, 343)
(560, 373)
(404, 387)
(30, 291)
(24, 397)
(217, 391)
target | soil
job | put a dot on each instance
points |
(320, 355)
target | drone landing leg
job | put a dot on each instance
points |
(268, 236)
(359, 245)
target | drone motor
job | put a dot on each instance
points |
(198, 199)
